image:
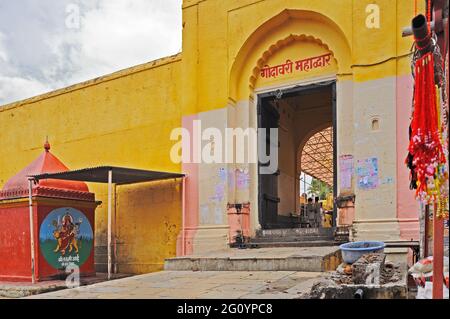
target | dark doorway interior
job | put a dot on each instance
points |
(300, 114)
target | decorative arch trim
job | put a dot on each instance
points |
(287, 26)
(279, 45)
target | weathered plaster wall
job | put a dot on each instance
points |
(407, 206)
(376, 207)
(148, 221)
(123, 119)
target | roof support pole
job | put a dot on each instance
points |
(183, 213)
(110, 177)
(30, 205)
(115, 227)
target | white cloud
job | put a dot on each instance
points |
(16, 88)
(45, 54)
(117, 34)
(3, 55)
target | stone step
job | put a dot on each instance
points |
(308, 259)
(312, 243)
(295, 232)
(291, 239)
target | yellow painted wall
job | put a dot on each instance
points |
(231, 36)
(148, 223)
(123, 119)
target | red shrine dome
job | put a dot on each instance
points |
(17, 186)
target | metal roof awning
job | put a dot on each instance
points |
(120, 175)
(109, 175)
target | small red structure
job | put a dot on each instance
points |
(63, 224)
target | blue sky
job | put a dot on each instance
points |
(50, 44)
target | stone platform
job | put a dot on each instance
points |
(305, 259)
(24, 289)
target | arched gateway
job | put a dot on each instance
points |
(284, 76)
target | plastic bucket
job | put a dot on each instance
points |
(351, 252)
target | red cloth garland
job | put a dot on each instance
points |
(425, 145)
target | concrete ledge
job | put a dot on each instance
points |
(292, 259)
(328, 289)
(15, 290)
(391, 291)
(25, 289)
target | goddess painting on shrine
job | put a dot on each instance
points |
(65, 233)
(66, 237)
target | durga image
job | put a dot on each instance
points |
(65, 233)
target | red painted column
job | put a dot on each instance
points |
(438, 256)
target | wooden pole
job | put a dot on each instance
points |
(30, 202)
(438, 255)
(109, 223)
(427, 231)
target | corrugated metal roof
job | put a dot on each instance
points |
(316, 157)
(121, 175)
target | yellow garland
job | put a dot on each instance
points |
(438, 193)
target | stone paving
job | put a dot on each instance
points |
(197, 285)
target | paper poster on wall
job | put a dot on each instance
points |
(346, 172)
(367, 173)
(242, 179)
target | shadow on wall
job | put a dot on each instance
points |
(148, 221)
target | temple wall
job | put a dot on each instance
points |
(126, 118)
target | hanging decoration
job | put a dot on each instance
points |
(428, 131)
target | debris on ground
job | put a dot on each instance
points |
(366, 266)
(371, 274)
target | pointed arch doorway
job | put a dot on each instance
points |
(306, 120)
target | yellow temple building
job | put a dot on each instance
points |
(336, 65)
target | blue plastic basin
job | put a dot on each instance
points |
(351, 252)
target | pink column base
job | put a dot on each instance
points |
(239, 221)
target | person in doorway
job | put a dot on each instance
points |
(320, 216)
(311, 212)
(317, 215)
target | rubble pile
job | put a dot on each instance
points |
(370, 277)
(369, 269)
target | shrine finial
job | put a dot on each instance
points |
(47, 145)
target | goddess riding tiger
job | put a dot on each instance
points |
(65, 234)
